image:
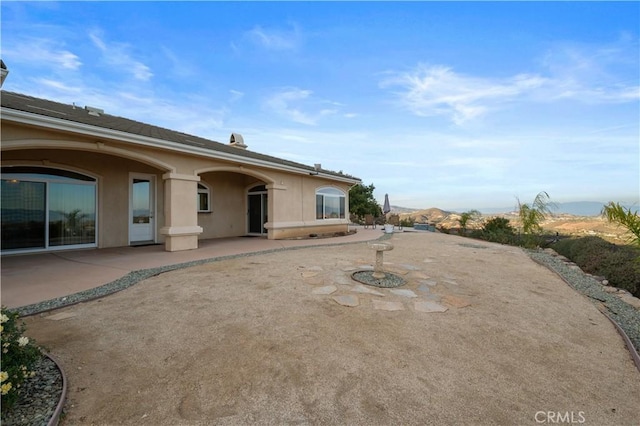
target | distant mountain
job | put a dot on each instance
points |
(576, 208)
(432, 215)
(398, 209)
(580, 208)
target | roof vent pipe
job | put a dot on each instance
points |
(237, 140)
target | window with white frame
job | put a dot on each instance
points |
(204, 198)
(330, 203)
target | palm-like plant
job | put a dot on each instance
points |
(624, 217)
(466, 217)
(532, 215)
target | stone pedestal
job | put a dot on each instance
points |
(380, 248)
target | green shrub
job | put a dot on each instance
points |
(620, 265)
(19, 355)
(498, 230)
(408, 222)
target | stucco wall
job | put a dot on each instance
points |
(228, 204)
(112, 174)
(291, 195)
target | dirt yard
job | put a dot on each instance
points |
(258, 340)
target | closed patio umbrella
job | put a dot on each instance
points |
(387, 207)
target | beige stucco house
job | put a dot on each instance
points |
(76, 177)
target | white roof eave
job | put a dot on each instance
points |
(53, 123)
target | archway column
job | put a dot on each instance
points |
(277, 208)
(181, 228)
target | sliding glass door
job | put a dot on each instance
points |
(23, 214)
(46, 208)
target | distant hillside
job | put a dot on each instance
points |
(566, 224)
(432, 215)
(577, 208)
(399, 210)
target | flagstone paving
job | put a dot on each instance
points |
(347, 300)
(423, 293)
(428, 306)
(328, 289)
(403, 292)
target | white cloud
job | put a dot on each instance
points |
(116, 54)
(438, 90)
(589, 74)
(42, 52)
(593, 74)
(236, 95)
(58, 86)
(177, 65)
(289, 103)
(275, 39)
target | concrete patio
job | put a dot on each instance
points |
(34, 278)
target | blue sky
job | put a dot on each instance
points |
(439, 104)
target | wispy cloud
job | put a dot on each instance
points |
(606, 73)
(117, 55)
(58, 86)
(586, 74)
(438, 90)
(177, 65)
(276, 39)
(39, 52)
(236, 95)
(289, 102)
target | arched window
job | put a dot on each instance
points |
(330, 203)
(204, 198)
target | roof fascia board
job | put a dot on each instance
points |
(29, 118)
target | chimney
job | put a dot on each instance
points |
(237, 141)
(3, 72)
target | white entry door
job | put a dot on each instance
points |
(142, 209)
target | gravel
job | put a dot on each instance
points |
(625, 315)
(42, 392)
(40, 396)
(389, 281)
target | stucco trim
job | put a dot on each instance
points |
(181, 230)
(178, 176)
(304, 224)
(277, 186)
(237, 169)
(84, 146)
